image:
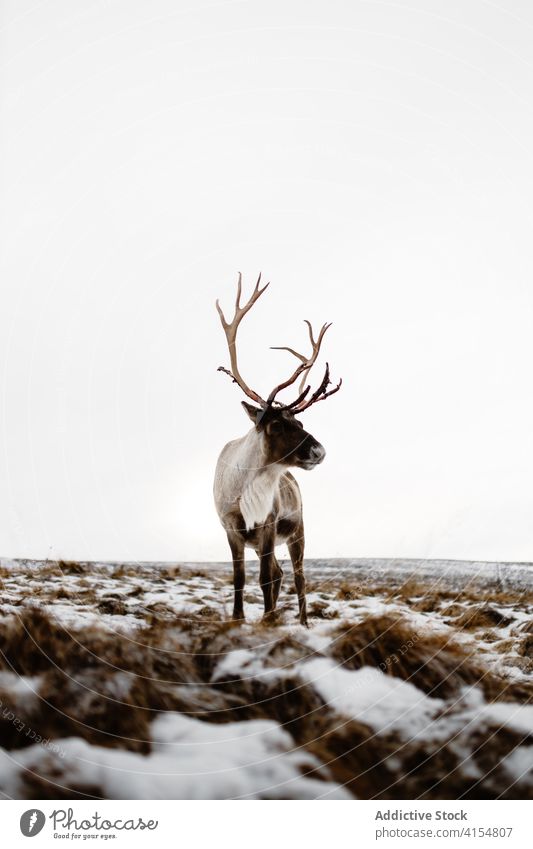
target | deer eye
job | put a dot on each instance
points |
(274, 427)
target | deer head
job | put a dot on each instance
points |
(284, 439)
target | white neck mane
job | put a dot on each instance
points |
(257, 499)
(257, 484)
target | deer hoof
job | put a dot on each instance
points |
(302, 619)
(273, 617)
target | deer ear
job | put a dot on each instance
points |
(253, 412)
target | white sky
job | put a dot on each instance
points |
(373, 159)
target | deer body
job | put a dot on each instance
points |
(257, 499)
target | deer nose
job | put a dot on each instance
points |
(317, 453)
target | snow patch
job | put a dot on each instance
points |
(368, 695)
(190, 760)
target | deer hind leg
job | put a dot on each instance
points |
(236, 543)
(296, 551)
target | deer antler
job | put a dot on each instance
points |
(307, 364)
(230, 329)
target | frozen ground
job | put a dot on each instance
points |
(126, 680)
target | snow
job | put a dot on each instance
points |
(368, 695)
(190, 760)
(20, 686)
(241, 663)
(519, 764)
(518, 717)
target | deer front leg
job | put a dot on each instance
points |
(266, 564)
(236, 543)
(276, 584)
(296, 550)
(277, 578)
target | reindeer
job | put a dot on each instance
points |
(257, 499)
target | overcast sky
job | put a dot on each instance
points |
(373, 160)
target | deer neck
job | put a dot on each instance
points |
(261, 485)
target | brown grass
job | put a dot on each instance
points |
(481, 616)
(435, 663)
(71, 567)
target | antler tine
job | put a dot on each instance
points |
(299, 399)
(296, 354)
(320, 394)
(291, 351)
(320, 335)
(239, 291)
(324, 396)
(306, 362)
(230, 330)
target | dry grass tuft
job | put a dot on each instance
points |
(481, 616)
(433, 662)
(322, 610)
(71, 567)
